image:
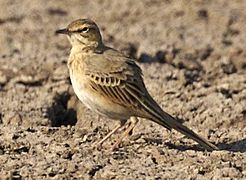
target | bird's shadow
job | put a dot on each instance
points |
(237, 146)
(59, 114)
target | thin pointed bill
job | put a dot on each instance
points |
(62, 31)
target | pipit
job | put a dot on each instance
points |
(111, 84)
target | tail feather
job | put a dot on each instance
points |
(164, 119)
(156, 114)
(184, 130)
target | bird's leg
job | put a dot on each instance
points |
(126, 133)
(125, 126)
(99, 144)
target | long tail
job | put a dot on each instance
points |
(164, 119)
(154, 112)
(184, 130)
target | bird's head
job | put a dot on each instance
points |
(83, 33)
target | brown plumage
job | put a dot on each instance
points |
(111, 84)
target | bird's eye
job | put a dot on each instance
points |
(83, 30)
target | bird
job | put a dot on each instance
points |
(111, 84)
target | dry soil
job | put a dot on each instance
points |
(193, 56)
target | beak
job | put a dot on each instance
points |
(62, 31)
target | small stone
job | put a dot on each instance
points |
(145, 58)
(202, 13)
(225, 90)
(227, 66)
(60, 73)
(14, 119)
(3, 78)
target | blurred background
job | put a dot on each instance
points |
(149, 26)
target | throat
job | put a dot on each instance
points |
(91, 48)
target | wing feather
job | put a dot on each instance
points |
(126, 87)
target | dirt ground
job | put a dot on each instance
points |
(193, 56)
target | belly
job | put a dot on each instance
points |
(97, 102)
